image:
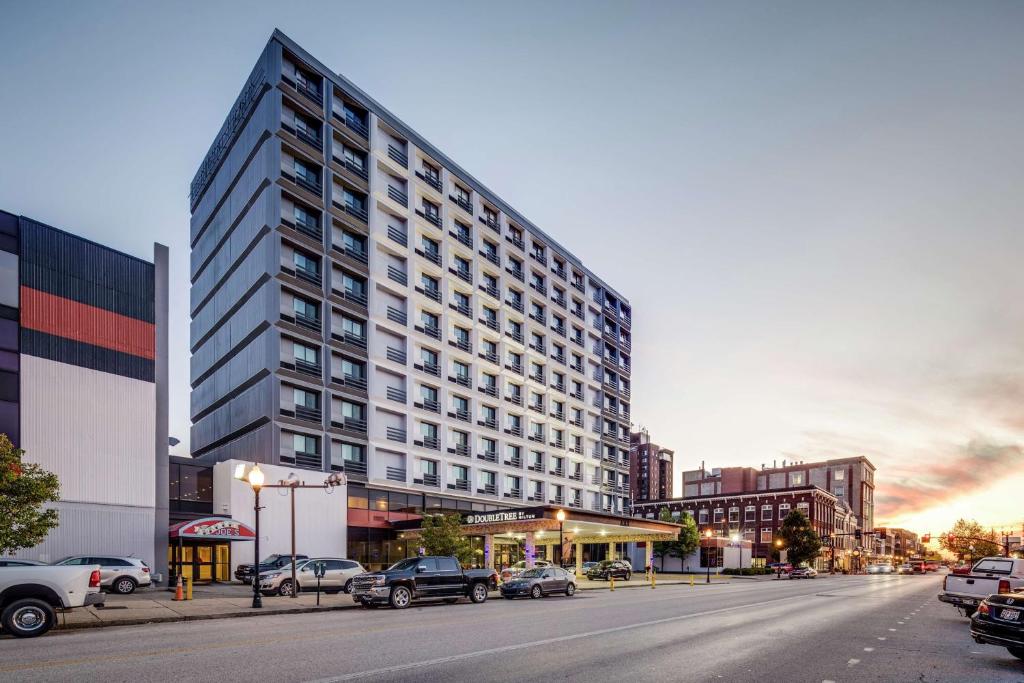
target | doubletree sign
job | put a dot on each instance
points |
(502, 516)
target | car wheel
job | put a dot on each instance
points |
(478, 593)
(348, 586)
(1017, 652)
(570, 590)
(628, 576)
(400, 597)
(124, 585)
(536, 592)
(28, 618)
(285, 589)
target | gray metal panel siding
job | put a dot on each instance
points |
(241, 411)
(253, 359)
(93, 529)
(265, 163)
(255, 312)
(160, 445)
(250, 137)
(253, 270)
(259, 445)
(264, 212)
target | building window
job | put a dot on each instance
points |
(702, 516)
(734, 515)
(783, 510)
(750, 514)
(719, 515)
(766, 512)
(766, 535)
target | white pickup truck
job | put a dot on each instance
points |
(989, 576)
(31, 596)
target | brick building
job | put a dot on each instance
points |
(898, 544)
(754, 516)
(650, 468)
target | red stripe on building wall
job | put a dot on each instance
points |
(73, 320)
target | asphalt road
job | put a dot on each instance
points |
(868, 628)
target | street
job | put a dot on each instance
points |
(865, 628)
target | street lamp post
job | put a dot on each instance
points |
(560, 516)
(707, 556)
(778, 567)
(255, 479)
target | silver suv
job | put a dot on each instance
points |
(337, 576)
(117, 574)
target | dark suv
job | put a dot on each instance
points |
(606, 569)
(416, 578)
(243, 572)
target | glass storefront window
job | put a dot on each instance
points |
(357, 498)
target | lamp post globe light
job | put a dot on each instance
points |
(560, 516)
(707, 555)
(255, 480)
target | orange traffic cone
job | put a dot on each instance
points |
(178, 593)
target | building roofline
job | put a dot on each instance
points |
(392, 120)
(750, 494)
(105, 247)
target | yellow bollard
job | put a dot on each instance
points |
(652, 580)
(691, 579)
(188, 588)
(611, 579)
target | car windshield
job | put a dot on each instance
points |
(407, 563)
(532, 573)
(994, 566)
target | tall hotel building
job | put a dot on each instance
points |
(361, 303)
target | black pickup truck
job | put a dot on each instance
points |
(243, 572)
(419, 578)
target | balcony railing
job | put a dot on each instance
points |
(488, 490)
(396, 355)
(398, 196)
(431, 217)
(463, 309)
(397, 316)
(514, 462)
(462, 203)
(516, 494)
(310, 183)
(310, 91)
(432, 443)
(489, 422)
(459, 485)
(431, 369)
(516, 399)
(396, 474)
(462, 238)
(399, 236)
(463, 274)
(351, 424)
(308, 368)
(460, 449)
(308, 414)
(491, 256)
(396, 394)
(517, 273)
(430, 179)
(431, 405)
(357, 211)
(357, 169)
(428, 480)
(432, 331)
(516, 241)
(311, 138)
(492, 223)
(396, 434)
(354, 382)
(398, 156)
(355, 467)
(356, 125)
(488, 456)
(307, 321)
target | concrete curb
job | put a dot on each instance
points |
(197, 617)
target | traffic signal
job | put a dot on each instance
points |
(881, 534)
(927, 538)
(857, 534)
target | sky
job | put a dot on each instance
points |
(814, 208)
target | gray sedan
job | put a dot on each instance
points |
(538, 582)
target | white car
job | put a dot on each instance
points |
(31, 595)
(520, 567)
(879, 569)
(117, 574)
(338, 575)
(905, 568)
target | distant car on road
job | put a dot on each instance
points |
(784, 567)
(803, 573)
(905, 568)
(509, 573)
(606, 569)
(117, 574)
(961, 570)
(931, 566)
(338, 575)
(537, 583)
(879, 568)
(999, 620)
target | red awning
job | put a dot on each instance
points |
(213, 528)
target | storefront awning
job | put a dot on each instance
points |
(212, 529)
(580, 526)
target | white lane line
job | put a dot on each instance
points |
(853, 662)
(882, 638)
(869, 649)
(893, 630)
(546, 641)
(900, 623)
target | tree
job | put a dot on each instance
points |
(689, 538)
(967, 533)
(24, 489)
(442, 535)
(799, 539)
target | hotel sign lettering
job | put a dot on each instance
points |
(502, 516)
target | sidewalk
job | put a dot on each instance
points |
(225, 601)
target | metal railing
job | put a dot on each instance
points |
(396, 235)
(396, 434)
(398, 156)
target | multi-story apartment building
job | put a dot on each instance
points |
(362, 303)
(851, 480)
(899, 544)
(754, 517)
(650, 468)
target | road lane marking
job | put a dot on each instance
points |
(869, 649)
(881, 637)
(853, 662)
(539, 643)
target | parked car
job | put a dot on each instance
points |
(803, 573)
(15, 562)
(905, 568)
(785, 567)
(518, 568)
(117, 574)
(30, 595)
(880, 568)
(419, 578)
(989, 576)
(243, 572)
(961, 570)
(606, 569)
(999, 620)
(538, 582)
(338, 575)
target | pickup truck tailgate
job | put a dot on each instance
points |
(974, 586)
